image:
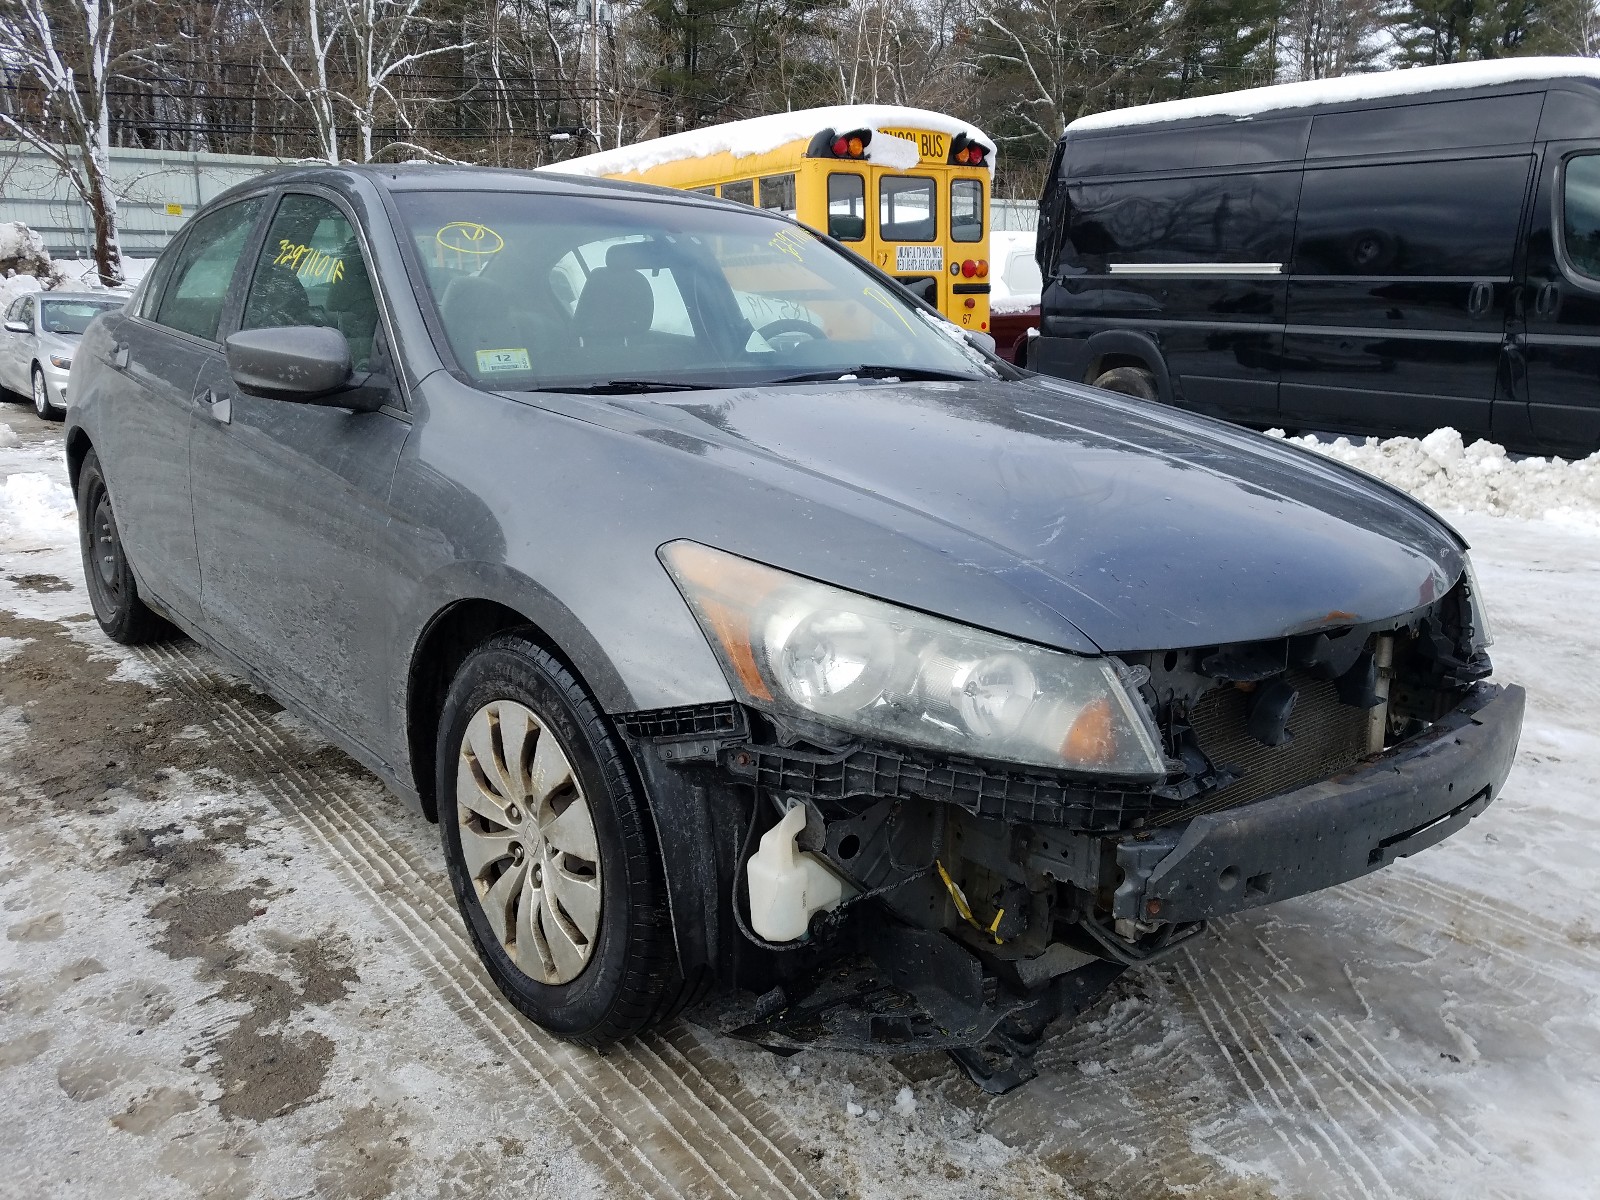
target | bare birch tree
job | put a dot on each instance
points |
(64, 51)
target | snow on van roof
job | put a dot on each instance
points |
(1411, 81)
(758, 135)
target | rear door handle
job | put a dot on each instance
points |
(1548, 300)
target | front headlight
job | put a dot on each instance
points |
(1482, 634)
(790, 644)
(61, 361)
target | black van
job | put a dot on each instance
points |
(1378, 254)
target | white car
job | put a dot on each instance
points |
(41, 334)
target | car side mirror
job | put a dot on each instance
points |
(304, 364)
(18, 327)
(981, 341)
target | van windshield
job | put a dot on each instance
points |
(573, 293)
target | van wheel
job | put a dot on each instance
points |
(1129, 381)
(549, 848)
(113, 594)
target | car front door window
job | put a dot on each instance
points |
(311, 272)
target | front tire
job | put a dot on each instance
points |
(549, 848)
(113, 592)
(42, 403)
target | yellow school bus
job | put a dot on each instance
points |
(905, 188)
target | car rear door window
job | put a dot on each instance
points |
(193, 300)
(311, 272)
(1580, 214)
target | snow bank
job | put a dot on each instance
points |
(1481, 478)
(36, 504)
(8, 437)
(759, 135)
(1413, 81)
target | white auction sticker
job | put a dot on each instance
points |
(925, 260)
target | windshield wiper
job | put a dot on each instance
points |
(622, 387)
(873, 371)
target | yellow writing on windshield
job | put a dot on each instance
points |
(469, 237)
(877, 297)
(308, 263)
(790, 242)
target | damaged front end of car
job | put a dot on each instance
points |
(929, 836)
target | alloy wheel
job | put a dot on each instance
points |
(41, 397)
(528, 842)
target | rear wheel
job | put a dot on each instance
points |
(549, 848)
(1129, 381)
(41, 398)
(113, 593)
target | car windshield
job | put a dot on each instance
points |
(565, 292)
(72, 317)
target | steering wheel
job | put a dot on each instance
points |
(793, 331)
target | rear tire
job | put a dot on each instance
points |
(113, 591)
(42, 404)
(1129, 381)
(550, 851)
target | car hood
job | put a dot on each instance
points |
(1144, 527)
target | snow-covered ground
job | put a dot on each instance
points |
(231, 967)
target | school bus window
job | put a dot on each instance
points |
(705, 191)
(847, 207)
(744, 191)
(966, 210)
(777, 194)
(906, 209)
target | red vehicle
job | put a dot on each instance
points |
(1014, 301)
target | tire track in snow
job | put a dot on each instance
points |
(659, 1117)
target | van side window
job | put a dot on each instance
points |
(1201, 220)
(1408, 219)
(1580, 213)
(743, 191)
(847, 207)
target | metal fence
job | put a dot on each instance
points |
(1014, 216)
(158, 190)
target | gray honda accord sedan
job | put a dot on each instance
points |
(753, 637)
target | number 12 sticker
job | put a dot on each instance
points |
(503, 360)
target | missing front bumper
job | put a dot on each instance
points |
(1329, 832)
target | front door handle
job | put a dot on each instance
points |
(1479, 299)
(1548, 300)
(121, 353)
(221, 405)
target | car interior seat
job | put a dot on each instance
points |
(481, 314)
(277, 298)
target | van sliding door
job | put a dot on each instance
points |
(1401, 282)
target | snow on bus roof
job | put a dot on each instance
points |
(1411, 81)
(758, 135)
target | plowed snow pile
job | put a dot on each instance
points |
(1481, 478)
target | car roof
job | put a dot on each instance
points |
(120, 298)
(438, 177)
